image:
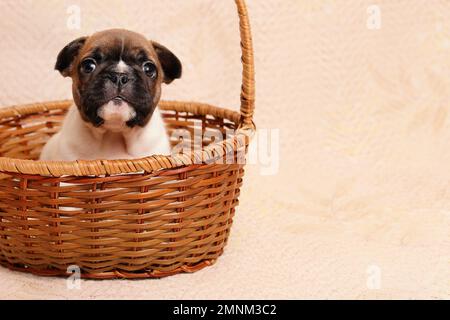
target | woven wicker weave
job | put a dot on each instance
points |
(139, 218)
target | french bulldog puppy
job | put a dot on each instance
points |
(116, 84)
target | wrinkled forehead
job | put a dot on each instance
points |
(116, 46)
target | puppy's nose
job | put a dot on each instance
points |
(119, 79)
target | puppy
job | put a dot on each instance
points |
(116, 84)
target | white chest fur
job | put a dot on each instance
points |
(78, 140)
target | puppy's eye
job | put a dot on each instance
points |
(88, 65)
(149, 69)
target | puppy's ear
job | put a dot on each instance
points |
(171, 65)
(67, 55)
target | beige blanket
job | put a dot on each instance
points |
(358, 205)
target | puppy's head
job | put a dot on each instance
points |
(117, 76)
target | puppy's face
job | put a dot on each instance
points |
(117, 76)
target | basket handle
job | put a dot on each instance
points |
(248, 64)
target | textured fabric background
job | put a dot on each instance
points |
(363, 183)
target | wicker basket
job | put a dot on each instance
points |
(139, 218)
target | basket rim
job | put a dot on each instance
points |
(149, 164)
